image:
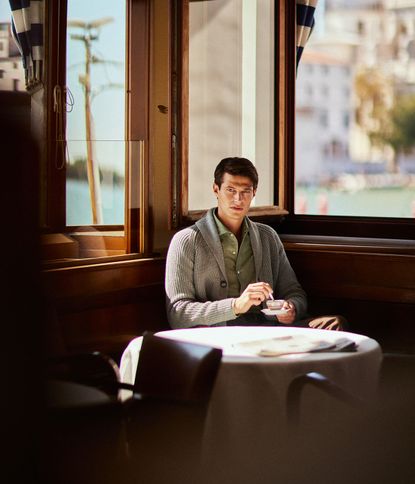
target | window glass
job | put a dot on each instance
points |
(95, 129)
(355, 152)
(231, 93)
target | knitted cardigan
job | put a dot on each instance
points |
(196, 283)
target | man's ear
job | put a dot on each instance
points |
(254, 192)
(215, 189)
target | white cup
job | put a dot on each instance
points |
(275, 303)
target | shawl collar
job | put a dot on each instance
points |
(256, 247)
(209, 232)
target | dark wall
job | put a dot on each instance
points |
(21, 298)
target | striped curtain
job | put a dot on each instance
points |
(305, 23)
(27, 29)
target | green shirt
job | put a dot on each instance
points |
(239, 260)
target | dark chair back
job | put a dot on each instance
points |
(84, 437)
(167, 414)
(354, 440)
(176, 370)
(95, 369)
(326, 386)
(153, 437)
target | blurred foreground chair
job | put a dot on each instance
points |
(94, 369)
(167, 412)
(318, 446)
(325, 385)
(84, 438)
(397, 377)
(355, 441)
(153, 436)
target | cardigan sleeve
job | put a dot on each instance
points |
(286, 282)
(184, 309)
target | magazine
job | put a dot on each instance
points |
(286, 345)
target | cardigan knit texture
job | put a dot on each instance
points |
(196, 284)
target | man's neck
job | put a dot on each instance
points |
(235, 226)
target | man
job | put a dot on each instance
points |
(222, 269)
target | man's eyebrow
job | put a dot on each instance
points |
(239, 185)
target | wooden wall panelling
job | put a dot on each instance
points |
(375, 292)
(102, 307)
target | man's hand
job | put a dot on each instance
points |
(253, 295)
(289, 316)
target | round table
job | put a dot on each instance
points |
(247, 413)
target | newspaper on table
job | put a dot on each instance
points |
(286, 345)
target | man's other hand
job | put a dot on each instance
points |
(289, 316)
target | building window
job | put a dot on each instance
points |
(346, 119)
(324, 118)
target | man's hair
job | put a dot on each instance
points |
(236, 167)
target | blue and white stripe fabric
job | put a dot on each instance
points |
(305, 23)
(27, 28)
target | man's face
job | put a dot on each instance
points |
(234, 197)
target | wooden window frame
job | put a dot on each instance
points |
(132, 238)
(181, 215)
(281, 215)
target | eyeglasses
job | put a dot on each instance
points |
(231, 192)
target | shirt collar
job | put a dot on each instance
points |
(222, 229)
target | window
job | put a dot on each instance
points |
(346, 119)
(229, 88)
(95, 114)
(360, 27)
(324, 119)
(371, 118)
(98, 127)
(325, 91)
(320, 127)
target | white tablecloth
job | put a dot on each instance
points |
(247, 413)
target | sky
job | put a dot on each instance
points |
(4, 11)
(107, 106)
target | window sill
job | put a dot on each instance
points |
(100, 262)
(347, 244)
(255, 213)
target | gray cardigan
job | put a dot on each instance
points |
(196, 284)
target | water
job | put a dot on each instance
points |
(78, 204)
(369, 202)
(381, 202)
